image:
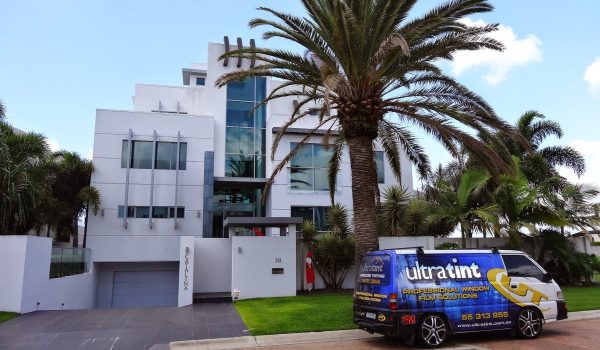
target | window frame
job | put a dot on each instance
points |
(326, 208)
(153, 166)
(314, 169)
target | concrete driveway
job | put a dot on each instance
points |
(113, 329)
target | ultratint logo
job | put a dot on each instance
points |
(450, 271)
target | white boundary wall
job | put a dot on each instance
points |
(212, 265)
(253, 260)
(26, 283)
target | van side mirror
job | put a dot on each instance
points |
(547, 277)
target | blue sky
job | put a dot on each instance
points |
(60, 60)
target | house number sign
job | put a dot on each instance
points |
(186, 272)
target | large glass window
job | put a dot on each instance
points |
(379, 165)
(245, 132)
(521, 266)
(318, 215)
(309, 167)
(236, 202)
(166, 155)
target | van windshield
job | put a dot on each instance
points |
(374, 270)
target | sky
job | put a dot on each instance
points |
(60, 60)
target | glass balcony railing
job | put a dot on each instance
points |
(69, 261)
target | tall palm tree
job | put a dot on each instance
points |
(72, 191)
(371, 73)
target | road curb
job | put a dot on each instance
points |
(314, 337)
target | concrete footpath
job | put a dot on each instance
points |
(317, 337)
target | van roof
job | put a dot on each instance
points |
(452, 251)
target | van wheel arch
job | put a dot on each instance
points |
(428, 317)
(532, 329)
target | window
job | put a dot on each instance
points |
(166, 155)
(134, 212)
(309, 167)
(318, 215)
(245, 132)
(158, 212)
(521, 266)
(200, 81)
(379, 165)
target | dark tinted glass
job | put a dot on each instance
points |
(379, 165)
(302, 178)
(142, 212)
(239, 166)
(240, 114)
(160, 212)
(182, 156)
(200, 81)
(142, 155)
(124, 153)
(521, 266)
(241, 90)
(164, 154)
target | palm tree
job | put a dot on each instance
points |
(392, 212)
(371, 74)
(539, 164)
(2, 110)
(464, 206)
(337, 219)
(23, 179)
(73, 192)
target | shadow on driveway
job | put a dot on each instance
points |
(113, 329)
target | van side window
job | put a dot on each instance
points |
(521, 266)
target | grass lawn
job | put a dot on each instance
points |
(333, 311)
(5, 316)
(582, 298)
(322, 312)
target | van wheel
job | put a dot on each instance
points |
(529, 323)
(432, 331)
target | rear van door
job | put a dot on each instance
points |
(373, 283)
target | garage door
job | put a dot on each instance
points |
(145, 288)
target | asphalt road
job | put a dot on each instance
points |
(584, 334)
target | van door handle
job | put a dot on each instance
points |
(513, 286)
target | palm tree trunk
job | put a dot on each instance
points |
(87, 212)
(463, 236)
(364, 180)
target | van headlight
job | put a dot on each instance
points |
(559, 295)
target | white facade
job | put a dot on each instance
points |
(151, 214)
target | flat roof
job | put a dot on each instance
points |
(235, 221)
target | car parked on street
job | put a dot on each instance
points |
(431, 294)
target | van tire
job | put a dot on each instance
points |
(529, 323)
(433, 330)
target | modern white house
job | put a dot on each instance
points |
(181, 177)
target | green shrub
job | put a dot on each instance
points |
(333, 255)
(447, 245)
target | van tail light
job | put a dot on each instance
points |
(393, 301)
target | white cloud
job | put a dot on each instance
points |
(53, 144)
(591, 152)
(517, 52)
(592, 76)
